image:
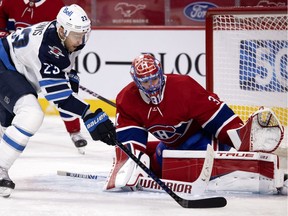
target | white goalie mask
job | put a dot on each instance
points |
(74, 19)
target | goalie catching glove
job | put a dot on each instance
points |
(262, 132)
(100, 127)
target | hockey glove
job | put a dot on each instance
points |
(100, 127)
(74, 80)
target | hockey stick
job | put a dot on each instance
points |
(146, 183)
(97, 95)
(213, 202)
(196, 187)
(79, 175)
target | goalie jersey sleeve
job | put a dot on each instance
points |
(186, 109)
(38, 54)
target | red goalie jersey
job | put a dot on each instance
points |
(22, 13)
(186, 109)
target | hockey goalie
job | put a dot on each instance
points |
(185, 118)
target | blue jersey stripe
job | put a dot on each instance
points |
(13, 144)
(133, 134)
(217, 121)
(51, 82)
(59, 95)
(24, 132)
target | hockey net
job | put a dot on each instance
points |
(246, 59)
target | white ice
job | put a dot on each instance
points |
(41, 192)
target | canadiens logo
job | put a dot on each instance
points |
(55, 51)
(169, 134)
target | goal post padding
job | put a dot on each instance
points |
(246, 58)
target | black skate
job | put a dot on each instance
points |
(6, 184)
(79, 142)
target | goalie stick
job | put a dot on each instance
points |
(213, 202)
(148, 184)
(196, 187)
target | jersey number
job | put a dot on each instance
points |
(22, 39)
(51, 69)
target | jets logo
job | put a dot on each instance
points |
(55, 51)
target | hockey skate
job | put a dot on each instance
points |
(79, 142)
(6, 184)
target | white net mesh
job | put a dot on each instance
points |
(250, 53)
(250, 62)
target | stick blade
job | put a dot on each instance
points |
(213, 202)
(61, 173)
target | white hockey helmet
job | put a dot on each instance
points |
(73, 18)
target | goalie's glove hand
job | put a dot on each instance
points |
(100, 127)
(74, 80)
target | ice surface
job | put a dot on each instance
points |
(41, 192)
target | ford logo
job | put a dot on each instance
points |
(197, 10)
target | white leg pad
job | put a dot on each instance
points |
(125, 173)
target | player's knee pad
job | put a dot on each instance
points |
(28, 114)
(125, 173)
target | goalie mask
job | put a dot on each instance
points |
(147, 73)
(75, 22)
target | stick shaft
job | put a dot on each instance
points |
(97, 96)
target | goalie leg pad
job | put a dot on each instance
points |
(125, 173)
(232, 171)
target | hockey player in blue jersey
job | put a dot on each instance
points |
(37, 59)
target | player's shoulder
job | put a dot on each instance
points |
(179, 79)
(128, 90)
(51, 49)
(129, 93)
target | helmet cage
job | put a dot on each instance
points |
(147, 69)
